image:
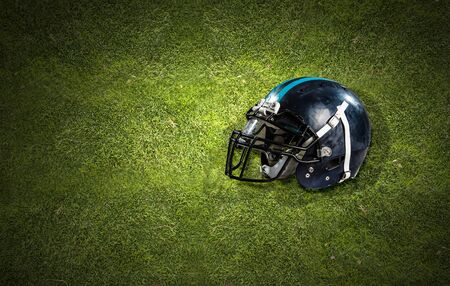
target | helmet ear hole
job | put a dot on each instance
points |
(334, 163)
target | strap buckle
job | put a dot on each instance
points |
(334, 121)
(346, 175)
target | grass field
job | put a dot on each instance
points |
(114, 122)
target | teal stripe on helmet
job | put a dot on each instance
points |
(288, 87)
(276, 89)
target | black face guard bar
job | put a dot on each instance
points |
(297, 147)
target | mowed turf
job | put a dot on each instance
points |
(114, 123)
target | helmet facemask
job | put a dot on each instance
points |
(270, 145)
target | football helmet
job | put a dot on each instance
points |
(312, 127)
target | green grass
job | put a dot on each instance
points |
(114, 121)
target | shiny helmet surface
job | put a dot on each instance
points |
(313, 128)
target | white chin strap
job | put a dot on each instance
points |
(348, 148)
(334, 120)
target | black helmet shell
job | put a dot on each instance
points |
(313, 127)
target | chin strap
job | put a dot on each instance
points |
(348, 148)
(333, 122)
